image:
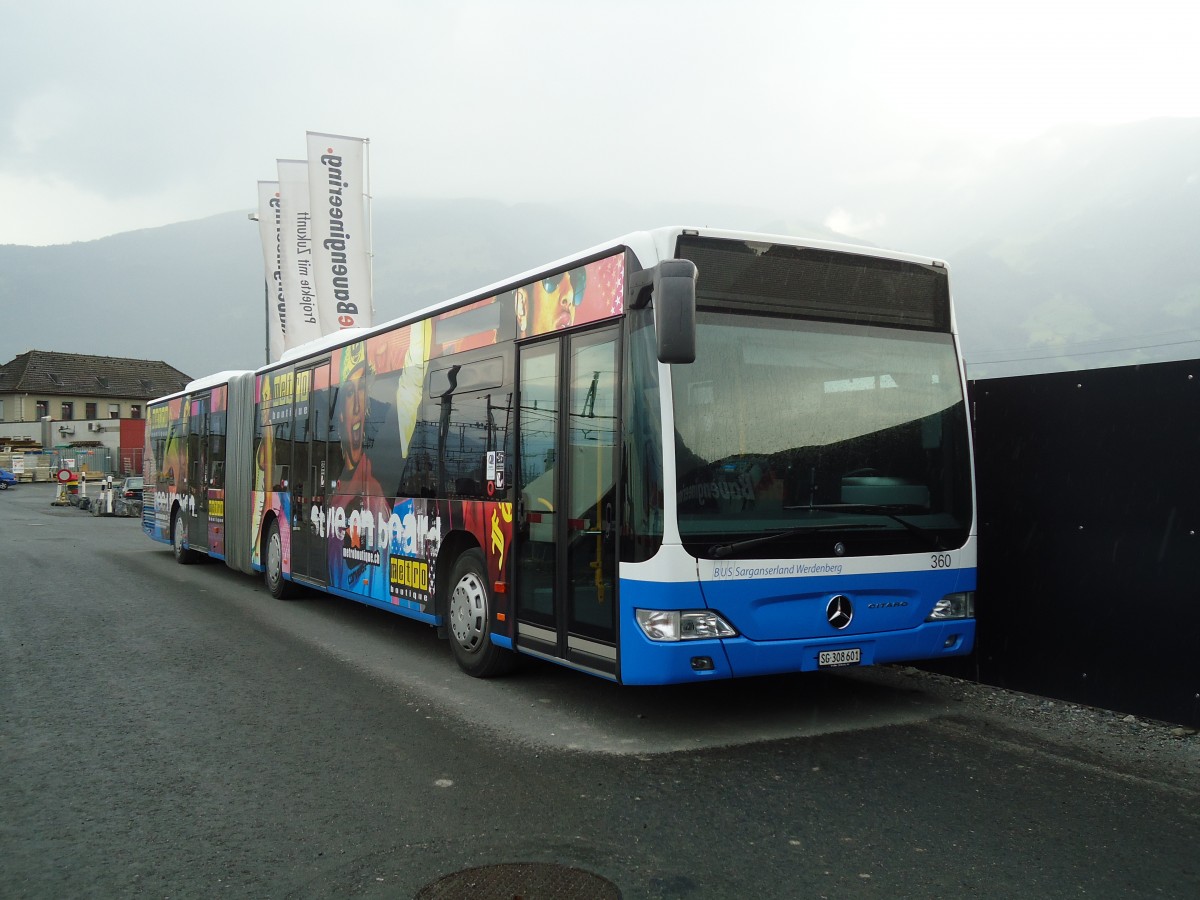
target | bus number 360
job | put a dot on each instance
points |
(941, 561)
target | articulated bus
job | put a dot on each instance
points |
(686, 454)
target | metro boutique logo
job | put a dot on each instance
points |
(338, 241)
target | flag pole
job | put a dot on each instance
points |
(368, 199)
(253, 217)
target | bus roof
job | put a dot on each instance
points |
(650, 247)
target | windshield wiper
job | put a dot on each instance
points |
(876, 509)
(720, 551)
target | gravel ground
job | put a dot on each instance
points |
(1139, 747)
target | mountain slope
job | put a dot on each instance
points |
(1075, 250)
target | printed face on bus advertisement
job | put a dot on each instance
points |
(352, 405)
(378, 394)
(575, 297)
(554, 300)
(352, 418)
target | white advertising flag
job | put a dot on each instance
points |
(268, 230)
(341, 236)
(296, 254)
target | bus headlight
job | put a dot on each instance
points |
(954, 606)
(682, 625)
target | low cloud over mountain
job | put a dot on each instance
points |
(1073, 251)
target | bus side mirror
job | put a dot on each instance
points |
(674, 295)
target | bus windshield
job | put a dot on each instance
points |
(794, 436)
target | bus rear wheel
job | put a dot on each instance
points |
(184, 555)
(469, 616)
(280, 587)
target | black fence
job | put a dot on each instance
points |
(1089, 531)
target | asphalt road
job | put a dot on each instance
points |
(173, 731)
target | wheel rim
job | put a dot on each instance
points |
(180, 534)
(468, 612)
(274, 557)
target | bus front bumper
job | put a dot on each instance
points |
(653, 662)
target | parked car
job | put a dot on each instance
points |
(6, 478)
(131, 488)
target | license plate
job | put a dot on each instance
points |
(851, 657)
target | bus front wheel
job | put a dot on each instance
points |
(469, 615)
(184, 554)
(280, 587)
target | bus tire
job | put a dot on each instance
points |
(184, 555)
(469, 619)
(280, 587)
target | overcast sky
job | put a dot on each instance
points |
(123, 115)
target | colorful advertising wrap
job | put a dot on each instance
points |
(268, 230)
(166, 432)
(377, 545)
(296, 254)
(575, 297)
(389, 444)
(340, 230)
(408, 441)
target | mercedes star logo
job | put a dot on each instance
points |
(839, 612)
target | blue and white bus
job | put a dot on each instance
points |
(681, 455)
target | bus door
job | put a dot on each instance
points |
(310, 418)
(195, 499)
(566, 534)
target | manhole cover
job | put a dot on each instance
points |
(520, 881)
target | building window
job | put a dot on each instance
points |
(43, 408)
(114, 410)
(1, 410)
(68, 411)
(91, 411)
(135, 411)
